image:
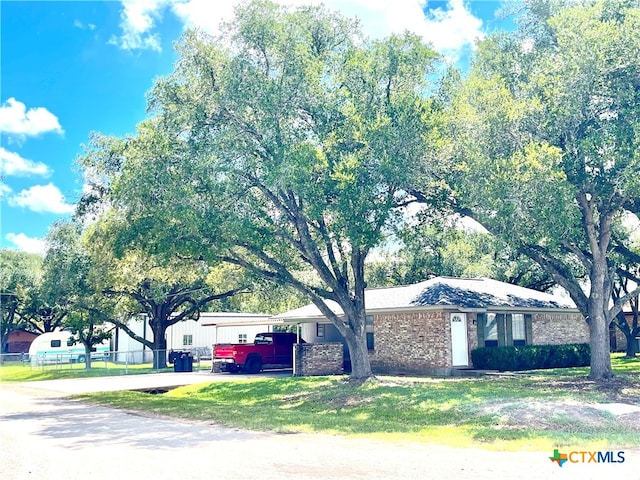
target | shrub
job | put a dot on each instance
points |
(531, 357)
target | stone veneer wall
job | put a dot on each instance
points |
(417, 342)
(472, 332)
(317, 359)
(559, 328)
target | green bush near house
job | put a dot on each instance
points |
(531, 357)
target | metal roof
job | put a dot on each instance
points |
(459, 293)
(229, 319)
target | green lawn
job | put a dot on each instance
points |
(529, 410)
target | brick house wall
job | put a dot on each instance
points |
(559, 328)
(317, 359)
(416, 342)
(420, 342)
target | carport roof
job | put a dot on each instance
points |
(231, 319)
(460, 293)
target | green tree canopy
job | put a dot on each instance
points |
(73, 283)
(20, 274)
(280, 146)
(545, 145)
(446, 248)
(166, 289)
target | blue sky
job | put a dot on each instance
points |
(70, 68)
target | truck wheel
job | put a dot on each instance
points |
(81, 358)
(253, 365)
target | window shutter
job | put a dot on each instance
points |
(481, 324)
(501, 329)
(508, 323)
(528, 328)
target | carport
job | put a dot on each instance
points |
(309, 358)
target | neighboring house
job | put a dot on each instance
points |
(432, 326)
(19, 341)
(196, 337)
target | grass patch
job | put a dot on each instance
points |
(536, 410)
(503, 412)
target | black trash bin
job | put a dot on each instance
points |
(173, 355)
(183, 362)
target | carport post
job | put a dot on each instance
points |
(298, 333)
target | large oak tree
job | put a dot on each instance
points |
(281, 146)
(545, 135)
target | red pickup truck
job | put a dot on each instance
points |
(272, 350)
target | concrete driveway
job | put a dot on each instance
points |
(44, 434)
(138, 382)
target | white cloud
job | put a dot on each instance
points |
(204, 14)
(83, 26)
(632, 223)
(138, 19)
(13, 164)
(4, 190)
(42, 199)
(16, 119)
(451, 31)
(27, 244)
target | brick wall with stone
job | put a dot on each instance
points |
(472, 332)
(418, 342)
(559, 328)
(318, 359)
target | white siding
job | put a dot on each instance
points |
(203, 337)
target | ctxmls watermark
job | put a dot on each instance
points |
(587, 457)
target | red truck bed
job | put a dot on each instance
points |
(269, 350)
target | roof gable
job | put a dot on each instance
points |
(451, 295)
(463, 293)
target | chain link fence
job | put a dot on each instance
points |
(120, 362)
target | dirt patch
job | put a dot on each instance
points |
(548, 415)
(617, 389)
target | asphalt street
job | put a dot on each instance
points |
(45, 434)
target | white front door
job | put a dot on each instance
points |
(459, 343)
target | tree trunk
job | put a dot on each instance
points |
(629, 332)
(600, 355)
(160, 345)
(87, 357)
(599, 297)
(359, 355)
(632, 346)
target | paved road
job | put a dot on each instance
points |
(46, 435)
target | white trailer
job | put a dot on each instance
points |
(58, 347)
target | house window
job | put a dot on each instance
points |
(55, 343)
(518, 329)
(320, 330)
(491, 330)
(502, 329)
(187, 340)
(369, 331)
(242, 338)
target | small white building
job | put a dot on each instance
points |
(189, 335)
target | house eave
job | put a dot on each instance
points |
(433, 308)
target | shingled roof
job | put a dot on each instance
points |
(463, 293)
